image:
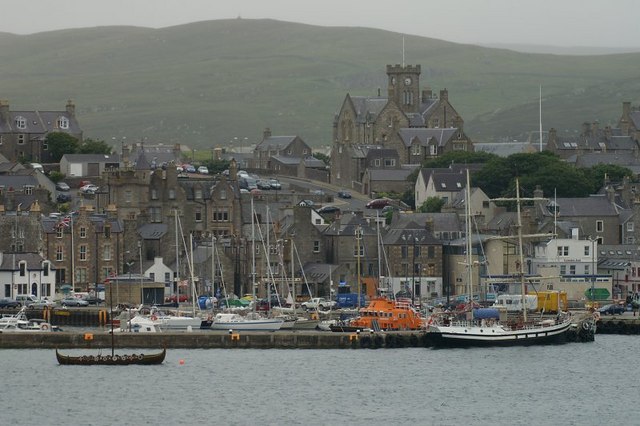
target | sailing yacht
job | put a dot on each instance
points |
(252, 321)
(483, 327)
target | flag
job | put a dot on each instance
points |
(65, 221)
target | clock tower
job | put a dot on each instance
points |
(404, 86)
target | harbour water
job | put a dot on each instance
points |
(573, 384)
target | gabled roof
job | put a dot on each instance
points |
(347, 224)
(367, 108)
(153, 231)
(275, 143)
(448, 181)
(409, 235)
(10, 261)
(17, 181)
(440, 136)
(39, 122)
(592, 206)
(635, 118)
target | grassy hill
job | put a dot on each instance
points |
(203, 84)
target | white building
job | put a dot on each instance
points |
(26, 273)
(571, 265)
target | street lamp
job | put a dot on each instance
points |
(593, 271)
(141, 283)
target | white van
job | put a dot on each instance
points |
(26, 299)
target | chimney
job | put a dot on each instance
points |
(427, 93)
(428, 225)
(266, 134)
(553, 135)
(4, 110)
(233, 169)
(586, 127)
(71, 108)
(444, 95)
(594, 128)
(626, 109)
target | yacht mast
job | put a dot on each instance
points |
(521, 271)
(468, 241)
(253, 256)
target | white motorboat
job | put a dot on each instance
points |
(225, 321)
(139, 324)
(167, 321)
(26, 326)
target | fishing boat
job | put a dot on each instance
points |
(473, 326)
(383, 314)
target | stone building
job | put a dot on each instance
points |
(416, 124)
(21, 229)
(23, 133)
(84, 248)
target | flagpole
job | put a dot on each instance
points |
(73, 258)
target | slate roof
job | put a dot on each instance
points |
(635, 118)
(367, 108)
(448, 181)
(153, 231)
(18, 181)
(591, 159)
(275, 143)
(409, 235)
(39, 122)
(441, 221)
(441, 136)
(10, 261)
(592, 206)
(505, 149)
(347, 225)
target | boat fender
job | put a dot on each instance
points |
(44, 326)
(154, 318)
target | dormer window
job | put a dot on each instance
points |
(21, 122)
(63, 123)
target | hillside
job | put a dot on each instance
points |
(203, 84)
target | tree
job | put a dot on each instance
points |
(61, 143)
(91, 146)
(431, 205)
(320, 156)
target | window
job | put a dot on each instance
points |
(629, 226)
(28, 189)
(155, 214)
(316, 246)
(404, 251)
(59, 253)
(128, 196)
(223, 194)
(198, 194)
(63, 123)
(81, 275)
(59, 232)
(563, 251)
(599, 225)
(45, 269)
(107, 231)
(172, 194)
(198, 215)
(221, 215)
(433, 150)
(563, 269)
(376, 162)
(20, 139)
(83, 252)
(106, 252)
(358, 250)
(587, 269)
(431, 252)
(389, 162)
(587, 250)
(416, 251)
(83, 232)
(23, 269)
(154, 194)
(21, 122)
(572, 269)
(416, 149)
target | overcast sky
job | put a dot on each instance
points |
(566, 23)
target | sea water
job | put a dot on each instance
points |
(573, 384)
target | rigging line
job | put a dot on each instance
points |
(304, 275)
(266, 251)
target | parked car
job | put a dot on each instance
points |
(263, 184)
(612, 309)
(172, 298)
(93, 300)
(344, 194)
(317, 192)
(42, 303)
(203, 170)
(63, 198)
(9, 303)
(189, 168)
(275, 184)
(378, 203)
(26, 299)
(318, 303)
(73, 301)
(89, 189)
(62, 186)
(329, 210)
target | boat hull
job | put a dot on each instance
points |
(248, 325)
(134, 359)
(473, 336)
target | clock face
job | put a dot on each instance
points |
(407, 81)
